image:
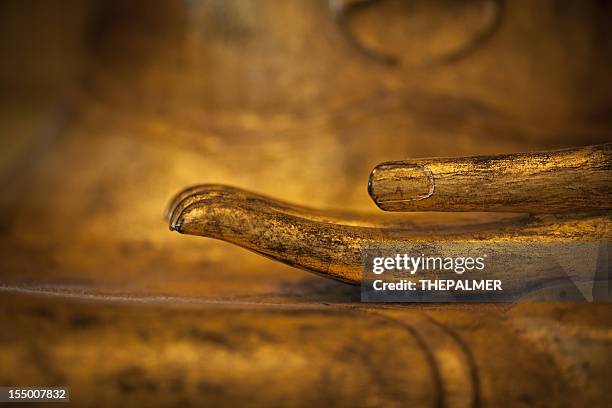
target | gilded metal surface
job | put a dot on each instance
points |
(110, 107)
(567, 180)
(330, 244)
(194, 352)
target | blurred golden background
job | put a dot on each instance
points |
(108, 108)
